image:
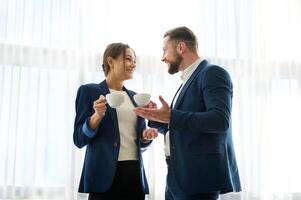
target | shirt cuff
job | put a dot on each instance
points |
(87, 130)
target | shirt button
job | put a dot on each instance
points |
(115, 144)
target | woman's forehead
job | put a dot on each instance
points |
(129, 52)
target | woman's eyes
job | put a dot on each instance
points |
(130, 60)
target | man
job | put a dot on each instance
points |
(197, 126)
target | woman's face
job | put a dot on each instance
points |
(123, 67)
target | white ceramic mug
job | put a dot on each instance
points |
(142, 99)
(114, 100)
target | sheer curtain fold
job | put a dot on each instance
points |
(48, 48)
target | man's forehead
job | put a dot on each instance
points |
(166, 42)
(166, 39)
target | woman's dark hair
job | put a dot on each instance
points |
(113, 50)
(183, 34)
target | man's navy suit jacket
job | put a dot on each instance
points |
(102, 148)
(202, 154)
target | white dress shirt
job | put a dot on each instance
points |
(186, 74)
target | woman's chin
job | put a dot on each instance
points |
(130, 76)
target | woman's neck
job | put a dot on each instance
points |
(114, 84)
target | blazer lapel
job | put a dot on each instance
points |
(172, 102)
(189, 81)
(111, 111)
(139, 119)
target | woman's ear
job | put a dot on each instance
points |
(110, 62)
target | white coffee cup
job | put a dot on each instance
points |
(142, 99)
(114, 100)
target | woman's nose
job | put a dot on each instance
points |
(134, 65)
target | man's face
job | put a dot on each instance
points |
(170, 56)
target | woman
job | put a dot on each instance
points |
(113, 166)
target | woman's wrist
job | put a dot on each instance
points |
(145, 140)
(94, 121)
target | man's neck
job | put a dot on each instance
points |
(188, 61)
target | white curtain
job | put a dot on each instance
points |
(49, 47)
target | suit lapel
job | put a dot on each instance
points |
(139, 119)
(111, 111)
(172, 102)
(189, 81)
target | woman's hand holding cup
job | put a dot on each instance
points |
(99, 106)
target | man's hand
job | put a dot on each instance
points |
(151, 104)
(154, 114)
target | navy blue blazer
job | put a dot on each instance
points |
(102, 148)
(202, 154)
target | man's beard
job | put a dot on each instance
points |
(175, 65)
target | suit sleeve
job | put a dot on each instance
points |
(82, 134)
(217, 92)
(162, 128)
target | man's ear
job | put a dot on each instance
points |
(181, 47)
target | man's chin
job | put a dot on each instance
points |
(173, 68)
(172, 71)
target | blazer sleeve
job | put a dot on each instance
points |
(217, 96)
(144, 145)
(83, 111)
(162, 127)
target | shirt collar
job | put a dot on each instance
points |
(189, 70)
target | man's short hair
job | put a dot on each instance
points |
(183, 34)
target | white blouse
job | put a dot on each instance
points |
(127, 123)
